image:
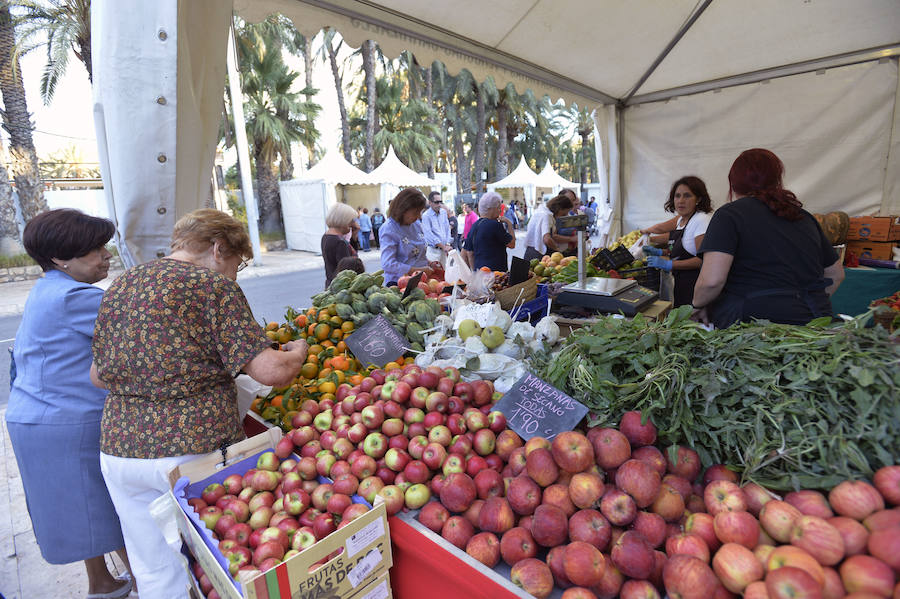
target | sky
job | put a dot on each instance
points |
(69, 118)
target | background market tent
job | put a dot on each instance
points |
(550, 178)
(522, 178)
(680, 87)
(392, 175)
(305, 201)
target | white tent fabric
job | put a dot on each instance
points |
(548, 177)
(522, 176)
(730, 74)
(393, 175)
(305, 201)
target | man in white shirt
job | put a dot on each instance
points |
(437, 230)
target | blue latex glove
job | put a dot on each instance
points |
(660, 263)
(651, 251)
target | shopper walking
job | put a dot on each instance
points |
(365, 229)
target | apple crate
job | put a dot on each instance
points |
(380, 589)
(364, 544)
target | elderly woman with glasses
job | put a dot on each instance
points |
(490, 236)
(170, 337)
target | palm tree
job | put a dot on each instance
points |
(61, 25)
(68, 163)
(485, 97)
(368, 59)
(328, 51)
(9, 229)
(17, 122)
(581, 120)
(273, 114)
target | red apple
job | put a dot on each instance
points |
(586, 489)
(591, 527)
(639, 480)
(737, 527)
(549, 526)
(719, 472)
(685, 463)
(778, 518)
(457, 531)
(541, 467)
(864, 573)
(809, 502)
(611, 448)
(792, 583)
(638, 589)
(533, 576)
(637, 430)
(882, 519)
(723, 495)
(524, 495)
(757, 497)
(651, 526)
(686, 577)
(213, 493)
(583, 564)
(394, 499)
(433, 515)
(854, 534)
(887, 481)
(652, 457)
(618, 507)
(703, 525)
(489, 483)
(458, 492)
(633, 555)
(790, 556)
(268, 550)
(736, 566)
(517, 544)
(669, 503)
(884, 544)
(496, 516)
(572, 451)
(819, 538)
(558, 495)
(855, 499)
(688, 544)
(484, 547)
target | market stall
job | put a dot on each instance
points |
(525, 179)
(503, 453)
(392, 175)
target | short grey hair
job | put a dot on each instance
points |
(340, 215)
(489, 201)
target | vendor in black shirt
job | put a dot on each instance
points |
(764, 257)
(490, 236)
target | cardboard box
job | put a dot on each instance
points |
(876, 250)
(380, 589)
(874, 228)
(364, 544)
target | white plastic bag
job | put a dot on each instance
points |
(456, 269)
(636, 249)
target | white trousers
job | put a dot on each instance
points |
(133, 484)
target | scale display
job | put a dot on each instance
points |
(608, 295)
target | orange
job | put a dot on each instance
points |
(340, 363)
(400, 361)
(327, 363)
(276, 401)
(325, 396)
(327, 387)
(323, 374)
(286, 419)
(332, 311)
(322, 331)
(336, 335)
(284, 335)
(341, 346)
(337, 320)
(347, 326)
(323, 315)
(301, 320)
(328, 343)
(340, 376)
(255, 404)
(271, 326)
(391, 365)
(310, 330)
(309, 370)
(355, 379)
(313, 350)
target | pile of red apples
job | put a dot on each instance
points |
(606, 514)
(272, 512)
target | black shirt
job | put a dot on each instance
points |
(333, 249)
(487, 240)
(769, 252)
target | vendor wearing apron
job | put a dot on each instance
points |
(764, 257)
(690, 202)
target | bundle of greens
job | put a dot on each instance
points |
(788, 406)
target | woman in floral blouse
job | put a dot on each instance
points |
(402, 238)
(171, 335)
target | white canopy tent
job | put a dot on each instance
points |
(682, 87)
(392, 175)
(550, 178)
(306, 201)
(523, 177)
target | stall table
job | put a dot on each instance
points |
(862, 286)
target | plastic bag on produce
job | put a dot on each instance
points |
(247, 390)
(635, 250)
(491, 366)
(165, 512)
(504, 383)
(456, 269)
(479, 288)
(483, 314)
(547, 330)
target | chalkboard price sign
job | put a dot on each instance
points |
(377, 342)
(535, 408)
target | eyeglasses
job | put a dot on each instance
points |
(244, 264)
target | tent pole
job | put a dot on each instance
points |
(243, 148)
(662, 56)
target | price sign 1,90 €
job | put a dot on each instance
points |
(535, 408)
(377, 342)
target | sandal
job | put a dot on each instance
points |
(119, 593)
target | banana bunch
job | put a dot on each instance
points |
(626, 240)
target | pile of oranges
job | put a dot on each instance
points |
(328, 363)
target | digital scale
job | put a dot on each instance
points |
(607, 295)
(598, 293)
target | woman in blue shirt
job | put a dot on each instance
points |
(402, 238)
(54, 411)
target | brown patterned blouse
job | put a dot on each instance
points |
(170, 336)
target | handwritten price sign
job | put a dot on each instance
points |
(377, 342)
(535, 408)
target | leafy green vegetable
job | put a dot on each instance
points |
(790, 406)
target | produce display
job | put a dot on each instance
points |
(609, 514)
(790, 406)
(887, 311)
(622, 506)
(276, 510)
